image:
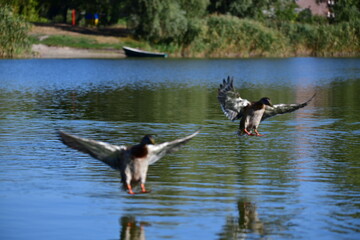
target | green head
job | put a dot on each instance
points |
(266, 101)
(147, 139)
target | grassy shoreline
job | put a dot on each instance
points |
(220, 37)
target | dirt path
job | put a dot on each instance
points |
(101, 36)
(44, 51)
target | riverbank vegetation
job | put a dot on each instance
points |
(207, 28)
(14, 40)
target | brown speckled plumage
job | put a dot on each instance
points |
(250, 113)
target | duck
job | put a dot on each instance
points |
(250, 113)
(132, 161)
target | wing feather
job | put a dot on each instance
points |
(283, 108)
(230, 101)
(157, 151)
(105, 152)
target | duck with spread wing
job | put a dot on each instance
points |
(250, 113)
(133, 161)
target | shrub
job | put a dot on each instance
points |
(13, 34)
(226, 35)
(324, 39)
(167, 21)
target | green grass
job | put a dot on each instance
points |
(88, 43)
(75, 42)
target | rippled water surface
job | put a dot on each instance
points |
(300, 181)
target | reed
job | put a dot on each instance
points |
(342, 39)
(229, 36)
(14, 38)
(224, 36)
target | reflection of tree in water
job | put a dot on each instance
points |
(130, 103)
(246, 223)
(131, 229)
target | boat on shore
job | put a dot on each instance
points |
(134, 52)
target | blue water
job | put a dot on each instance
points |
(300, 181)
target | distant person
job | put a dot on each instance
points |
(96, 19)
(88, 18)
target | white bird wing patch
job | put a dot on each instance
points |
(157, 151)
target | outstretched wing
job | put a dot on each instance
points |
(283, 108)
(105, 152)
(230, 101)
(158, 151)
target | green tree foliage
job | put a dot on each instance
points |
(255, 9)
(28, 9)
(13, 33)
(347, 10)
(58, 10)
(167, 21)
(285, 11)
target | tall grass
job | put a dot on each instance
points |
(229, 36)
(342, 39)
(14, 39)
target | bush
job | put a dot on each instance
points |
(226, 35)
(14, 39)
(341, 39)
(167, 21)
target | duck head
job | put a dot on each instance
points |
(147, 139)
(266, 101)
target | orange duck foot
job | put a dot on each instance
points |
(143, 190)
(248, 133)
(258, 134)
(130, 191)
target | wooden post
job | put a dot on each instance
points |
(73, 17)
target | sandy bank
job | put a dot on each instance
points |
(44, 51)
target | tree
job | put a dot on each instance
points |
(255, 9)
(176, 21)
(347, 10)
(285, 10)
(241, 8)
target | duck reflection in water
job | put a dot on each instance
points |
(246, 223)
(248, 217)
(131, 229)
(250, 113)
(133, 161)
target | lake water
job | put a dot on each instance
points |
(300, 181)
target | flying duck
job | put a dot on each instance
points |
(250, 113)
(133, 161)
